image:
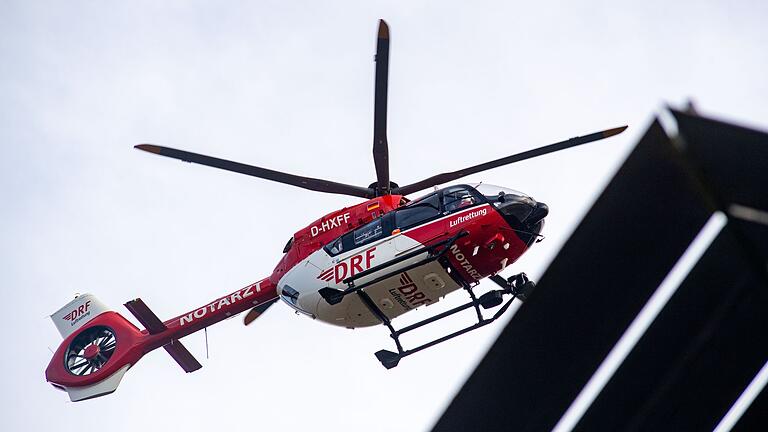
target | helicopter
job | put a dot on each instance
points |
(360, 266)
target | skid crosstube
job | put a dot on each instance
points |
(488, 300)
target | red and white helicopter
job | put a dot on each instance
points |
(360, 266)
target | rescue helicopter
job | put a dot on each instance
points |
(363, 265)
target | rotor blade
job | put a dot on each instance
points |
(450, 176)
(268, 174)
(79, 365)
(380, 146)
(257, 311)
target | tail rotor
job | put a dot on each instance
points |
(90, 350)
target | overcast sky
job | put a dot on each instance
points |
(289, 85)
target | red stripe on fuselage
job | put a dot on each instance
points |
(483, 223)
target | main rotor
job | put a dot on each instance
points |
(382, 185)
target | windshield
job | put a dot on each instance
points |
(492, 191)
(456, 198)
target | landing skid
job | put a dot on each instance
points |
(488, 300)
(517, 286)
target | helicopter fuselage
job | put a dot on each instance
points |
(496, 226)
(356, 267)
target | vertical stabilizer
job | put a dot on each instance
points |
(77, 313)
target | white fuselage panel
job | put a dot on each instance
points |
(395, 295)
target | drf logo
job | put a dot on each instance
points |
(349, 267)
(77, 313)
(409, 290)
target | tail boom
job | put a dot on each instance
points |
(95, 353)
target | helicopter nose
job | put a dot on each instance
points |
(540, 211)
(524, 215)
(522, 210)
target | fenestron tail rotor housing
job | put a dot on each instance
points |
(90, 350)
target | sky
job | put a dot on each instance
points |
(288, 85)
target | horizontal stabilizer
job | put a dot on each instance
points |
(152, 323)
(146, 317)
(182, 356)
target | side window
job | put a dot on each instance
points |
(368, 232)
(455, 199)
(335, 247)
(418, 212)
(371, 231)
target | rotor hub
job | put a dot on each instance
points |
(91, 351)
(377, 192)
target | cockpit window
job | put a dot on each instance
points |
(494, 193)
(457, 198)
(418, 211)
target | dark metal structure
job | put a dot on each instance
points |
(708, 341)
